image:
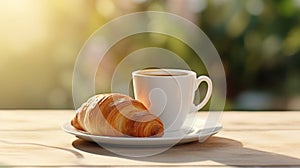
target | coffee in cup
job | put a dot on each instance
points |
(169, 94)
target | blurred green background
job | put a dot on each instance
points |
(258, 41)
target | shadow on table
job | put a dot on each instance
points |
(222, 150)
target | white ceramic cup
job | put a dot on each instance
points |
(169, 94)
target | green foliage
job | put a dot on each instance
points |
(258, 41)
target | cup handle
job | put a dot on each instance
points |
(199, 80)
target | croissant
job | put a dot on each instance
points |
(116, 115)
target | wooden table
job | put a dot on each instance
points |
(33, 138)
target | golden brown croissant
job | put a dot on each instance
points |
(116, 115)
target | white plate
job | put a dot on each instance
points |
(169, 139)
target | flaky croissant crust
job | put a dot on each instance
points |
(116, 115)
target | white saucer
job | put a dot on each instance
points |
(169, 139)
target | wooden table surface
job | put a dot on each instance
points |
(34, 138)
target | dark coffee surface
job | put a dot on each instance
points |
(163, 73)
